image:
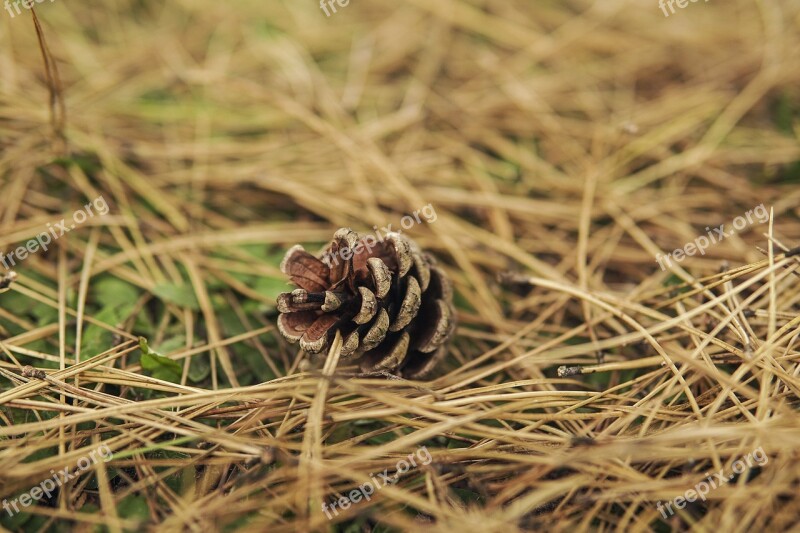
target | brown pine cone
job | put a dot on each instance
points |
(392, 304)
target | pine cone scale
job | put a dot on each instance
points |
(410, 305)
(377, 331)
(369, 306)
(388, 356)
(305, 270)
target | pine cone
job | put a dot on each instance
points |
(391, 303)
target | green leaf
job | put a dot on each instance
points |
(45, 314)
(17, 301)
(14, 522)
(272, 287)
(111, 292)
(252, 358)
(199, 368)
(97, 339)
(160, 366)
(182, 295)
(178, 342)
(42, 453)
(134, 507)
(467, 496)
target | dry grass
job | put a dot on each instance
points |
(563, 145)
